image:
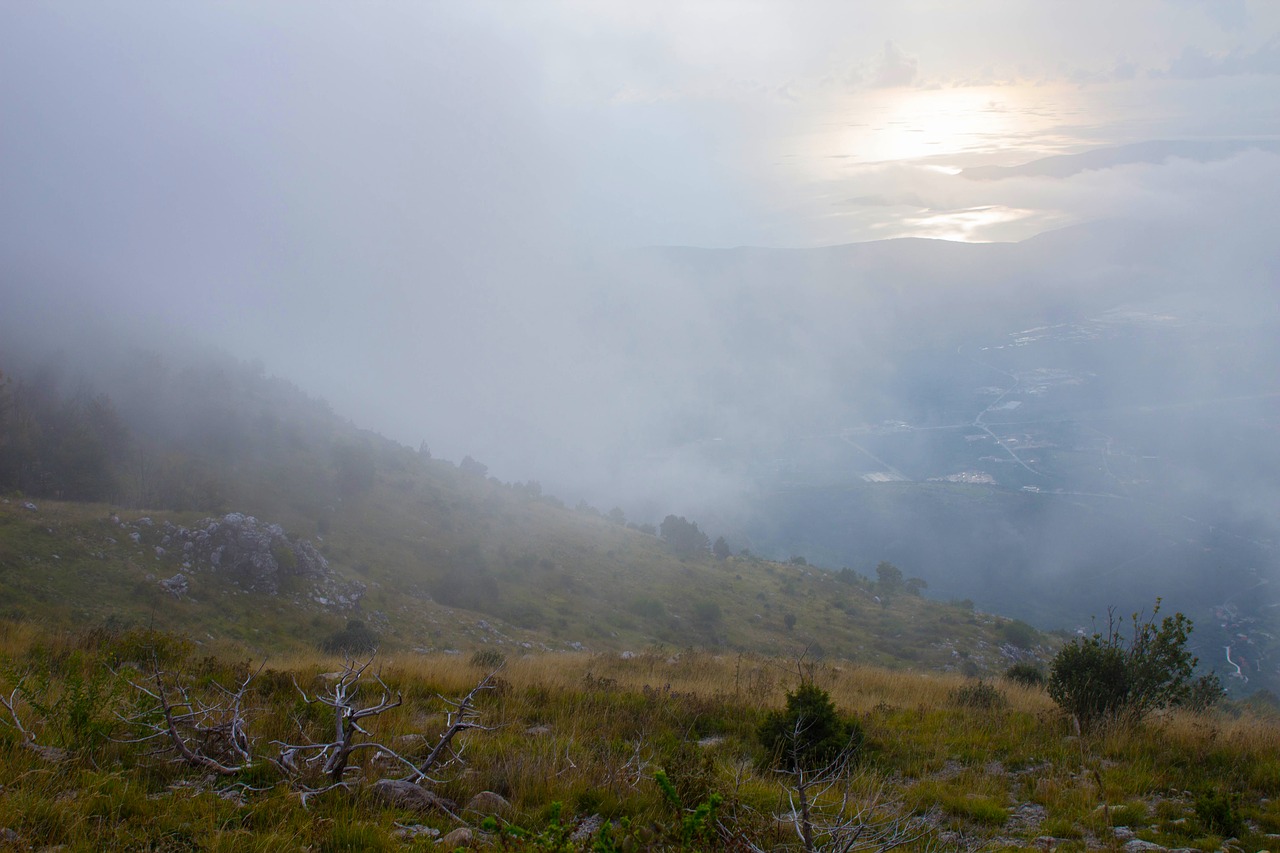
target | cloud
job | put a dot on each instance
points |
(895, 200)
(1195, 64)
(895, 68)
(1228, 14)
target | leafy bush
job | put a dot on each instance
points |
(357, 638)
(488, 659)
(1026, 674)
(648, 608)
(980, 695)
(809, 733)
(1218, 812)
(1019, 633)
(684, 537)
(1106, 678)
(706, 612)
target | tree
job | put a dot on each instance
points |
(471, 466)
(721, 549)
(816, 751)
(1106, 677)
(888, 576)
(683, 536)
(809, 732)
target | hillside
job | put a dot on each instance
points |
(595, 752)
(429, 555)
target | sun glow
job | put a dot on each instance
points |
(946, 129)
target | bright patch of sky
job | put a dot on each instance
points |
(813, 123)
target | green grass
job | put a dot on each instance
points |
(590, 732)
(555, 580)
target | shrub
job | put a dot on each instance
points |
(1104, 677)
(1026, 674)
(357, 638)
(706, 612)
(1019, 633)
(980, 695)
(809, 733)
(1218, 812)
(648, 608)
(488, 659)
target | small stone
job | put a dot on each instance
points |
(407, 795)
(177, 586)
(460, 837)
(1137, 845)
(538, 731)
(489, 803)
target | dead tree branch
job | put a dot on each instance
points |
(830, 816)
(461, 717)
(208, 734)
(333, 757)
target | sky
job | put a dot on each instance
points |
(402, 206)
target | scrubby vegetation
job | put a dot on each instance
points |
(1108, 678)
(662, 750)
(389, 648)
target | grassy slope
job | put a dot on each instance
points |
(554, 579)
(589, 731)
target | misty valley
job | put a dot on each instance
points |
(606, 427)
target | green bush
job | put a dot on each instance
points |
(1026, 674)
(809, 733)
(1102, 678)
(1218, 812)
(1020, 634)
(979, 695)
(648, 608)
(488, 659)
(706, 612)
(357, 638)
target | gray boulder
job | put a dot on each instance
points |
(177, 586)
(489, 803)
(411, 797)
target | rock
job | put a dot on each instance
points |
(410, 831)
(1123, 833)
(177, 586)
(407, 795)
(8, 836)
(29, 505)
(258, 556)
(136, 537)
(460, 837)
(1136, 845)
(1027, 818)
(538, 731)
(489, 803)
(586, 830)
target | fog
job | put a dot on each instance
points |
(461, 224)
